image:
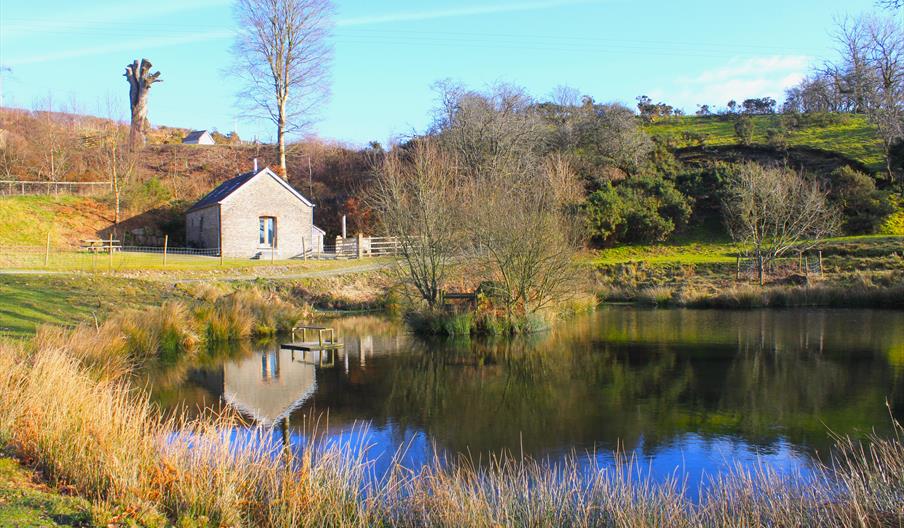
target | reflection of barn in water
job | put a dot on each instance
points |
(269, 386)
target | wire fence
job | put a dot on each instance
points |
(25, 187)
(117, 258)
(801, 264)
(110, 255)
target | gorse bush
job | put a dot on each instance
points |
(641, 209)
(865, 209)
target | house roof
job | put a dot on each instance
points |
(225, 189)
(194, 135)
(322, 232)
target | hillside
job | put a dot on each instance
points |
(161, 181)
(167, 177)
(846, 134)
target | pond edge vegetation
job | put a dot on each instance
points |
(78, 419)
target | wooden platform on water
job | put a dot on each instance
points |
(310, 345)
(326, 339)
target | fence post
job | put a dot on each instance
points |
(360, 245)
(807, 265)
(165, 244)
(47, 251)
(738, 268)
(111, 250)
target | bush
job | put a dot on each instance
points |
(642, 209)
(744, 129)
(145, 195)
(865, 208)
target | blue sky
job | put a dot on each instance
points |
(389, 53)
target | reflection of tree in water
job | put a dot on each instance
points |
(619, 375)
(643, 375)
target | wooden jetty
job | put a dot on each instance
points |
(326, 339)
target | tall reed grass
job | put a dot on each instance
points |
(96, 436)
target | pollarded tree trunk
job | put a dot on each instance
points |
(140, 80)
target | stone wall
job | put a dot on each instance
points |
(202, 228)
(259, 197)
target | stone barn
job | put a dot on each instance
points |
(254, 215)
(198, 137)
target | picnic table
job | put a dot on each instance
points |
(96, 245)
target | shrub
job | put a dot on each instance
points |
(656, 295)
(641, 209)
(865, 208)
(744, 129)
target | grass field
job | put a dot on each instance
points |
(59, 259)
(28, 301)
(25, 503)
(852, 136)
(26, 220)
(724, 252)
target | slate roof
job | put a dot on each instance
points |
(194, 136)
(222, 191)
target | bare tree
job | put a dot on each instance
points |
(140, 81)
(489, 132)
(282, 55)
(870, 74)
(524, 224)
(113, 155)
(774, 210)
(12, 156)
(416, 201)
(54, 141)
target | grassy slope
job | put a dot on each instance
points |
(26, 220)
(724, 252)
(853, 137)
(28, 301)
(25, 504)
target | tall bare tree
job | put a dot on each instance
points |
(416, 200)
(774, 210)
(140, 81)
(282, 54)
(56, 144)
(112, 154)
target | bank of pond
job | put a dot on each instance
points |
(619, 416)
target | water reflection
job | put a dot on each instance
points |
(688, 389)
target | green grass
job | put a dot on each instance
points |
(26, 220)
(25, 504)
(852, 136)
(36, 258)
(720, 252)
(28, 301)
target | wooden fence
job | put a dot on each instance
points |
(361, 247)
(24, 187)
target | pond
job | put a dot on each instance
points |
(691, 391)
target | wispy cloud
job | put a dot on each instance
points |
(473, 10)
(100, 17)
(130, 45)
(737, 79)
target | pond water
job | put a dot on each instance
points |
(691, 391)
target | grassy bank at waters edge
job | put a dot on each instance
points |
(28, 503)
(143, 469)
(857, 272)
(30, 301)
